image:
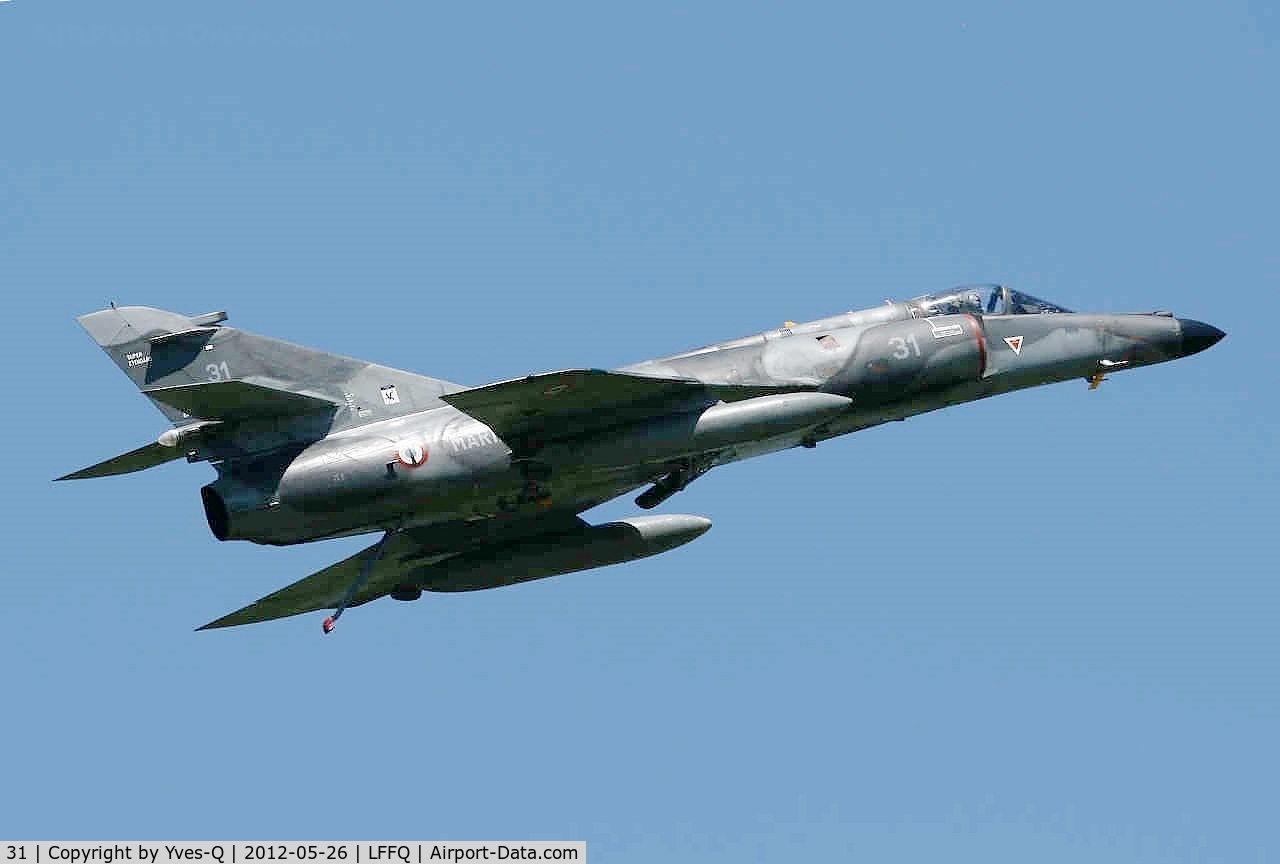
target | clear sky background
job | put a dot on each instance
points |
(1039, 628)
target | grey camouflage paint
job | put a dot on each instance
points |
(476, 488)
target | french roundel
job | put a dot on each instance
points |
(412, 455)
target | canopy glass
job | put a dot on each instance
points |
(981, 300)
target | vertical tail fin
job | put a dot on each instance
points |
(128, 335)
(167, 355)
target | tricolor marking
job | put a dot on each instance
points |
(412, 455)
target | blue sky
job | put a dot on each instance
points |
(1036, 628)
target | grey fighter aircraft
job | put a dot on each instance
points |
(481, 487)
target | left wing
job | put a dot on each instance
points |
(578, 402)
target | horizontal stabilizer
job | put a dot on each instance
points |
(577, 402)
(135, 460)
(235, 400)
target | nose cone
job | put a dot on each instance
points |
(1197, 336)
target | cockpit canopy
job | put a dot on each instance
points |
(981, 300)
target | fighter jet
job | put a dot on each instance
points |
(475, 488)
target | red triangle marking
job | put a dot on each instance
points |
(1014, 342)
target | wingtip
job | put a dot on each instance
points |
(216, 624)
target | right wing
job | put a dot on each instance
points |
(324, 590)
(404, 553)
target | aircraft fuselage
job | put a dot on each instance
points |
(848, 372)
